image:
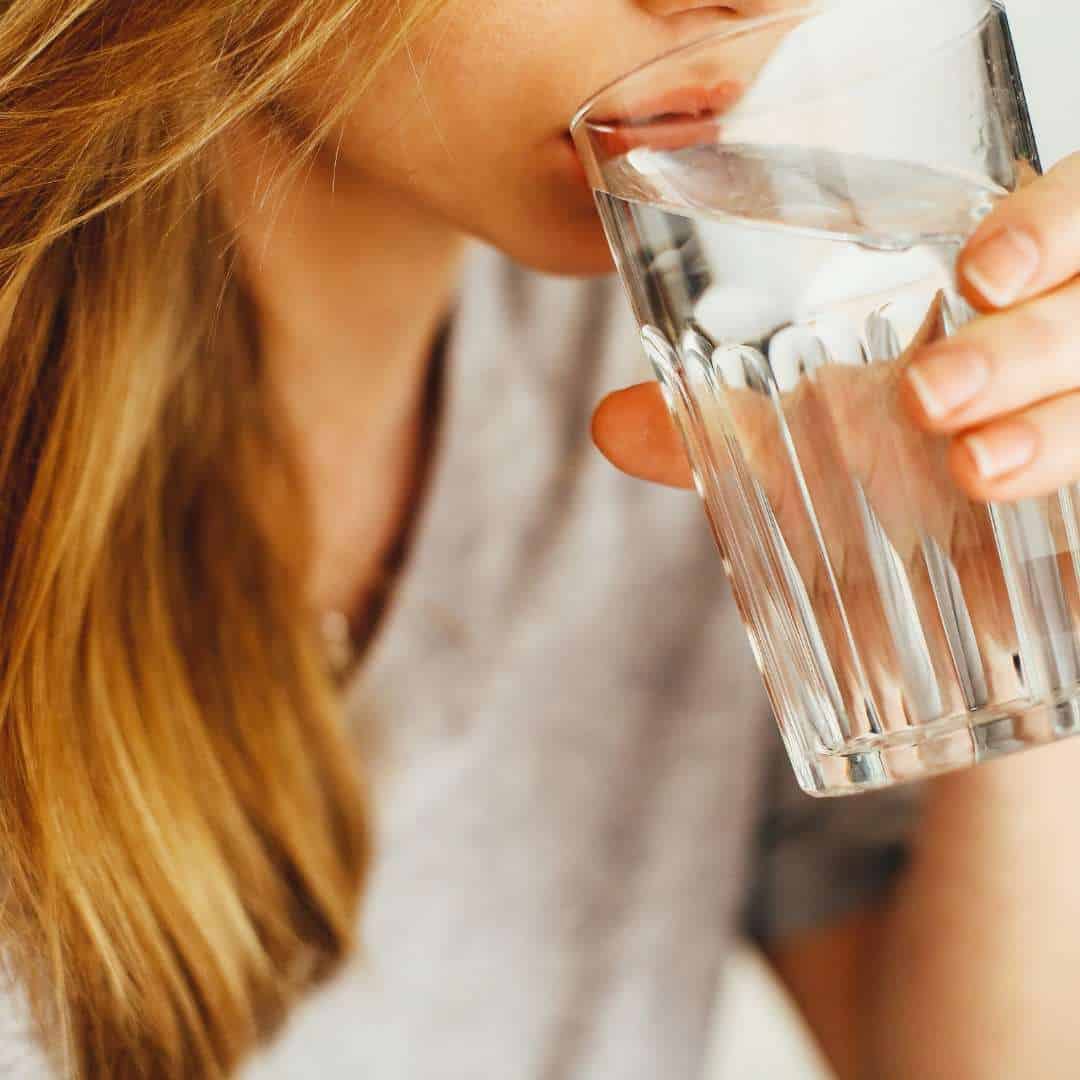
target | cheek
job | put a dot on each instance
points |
(466, 124)
(517, 188)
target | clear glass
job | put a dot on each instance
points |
(786, 202)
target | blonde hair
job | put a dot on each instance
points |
(183, 834)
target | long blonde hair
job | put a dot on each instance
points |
(183, 834)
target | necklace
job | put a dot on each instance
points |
(337, 644)
(345, 638)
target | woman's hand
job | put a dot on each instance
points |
(992, 412)
(1005, 390)
(1005, 394)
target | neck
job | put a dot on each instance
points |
(352, 284)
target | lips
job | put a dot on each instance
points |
(675, 118)
(682, 104)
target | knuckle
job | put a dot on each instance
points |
(1039, 328)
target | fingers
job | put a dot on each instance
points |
(633, 429)
(1005, 387)
(998, 364)
(1033, 452)
(1029, 244)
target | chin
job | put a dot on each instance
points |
(571, 249)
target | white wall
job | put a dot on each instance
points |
(1048, 45)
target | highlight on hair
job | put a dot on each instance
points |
(183, 833)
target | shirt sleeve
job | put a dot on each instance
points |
(815, 861)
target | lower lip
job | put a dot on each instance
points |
(671, 121)
(683, 104)
(673, 133)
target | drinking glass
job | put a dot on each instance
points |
(785, 201)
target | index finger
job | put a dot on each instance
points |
(1028, 245)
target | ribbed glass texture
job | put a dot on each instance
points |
(786, 204)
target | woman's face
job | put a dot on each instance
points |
(470, 122)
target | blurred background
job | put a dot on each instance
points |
(758, 1037)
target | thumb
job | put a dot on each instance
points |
(633, 429)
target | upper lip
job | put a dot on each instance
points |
(678, 104)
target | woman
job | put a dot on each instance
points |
(235, 297)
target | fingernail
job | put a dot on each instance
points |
(1002, 266)
(1002, 449)
(947, 377)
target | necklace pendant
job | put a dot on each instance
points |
(338, 643)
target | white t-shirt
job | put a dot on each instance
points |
(581, 795)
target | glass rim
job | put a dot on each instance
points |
(730, 33)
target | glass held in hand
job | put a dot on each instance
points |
(786, 202)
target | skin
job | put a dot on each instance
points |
(463, 135)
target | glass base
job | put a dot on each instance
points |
(956, 742)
